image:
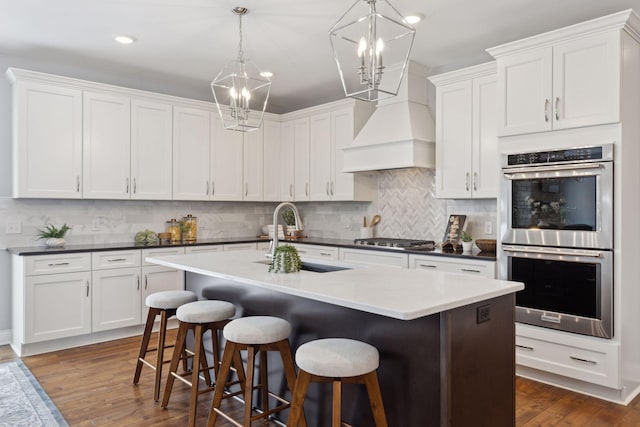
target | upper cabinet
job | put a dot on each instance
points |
(253, 164)
(466, 141)
(564, 79)
(47, 140)
(226, 161)
(275, 159)
(301, 153)
(191, 154)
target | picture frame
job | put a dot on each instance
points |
(455, 225)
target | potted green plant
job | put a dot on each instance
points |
(290, 222)
(53, 236)
(285, 260)
(467, 241)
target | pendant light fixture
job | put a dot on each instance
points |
(241, 90)
(371, 43)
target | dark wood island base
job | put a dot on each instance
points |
(454, 368)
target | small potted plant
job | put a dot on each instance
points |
(53, 236)
(290, 221)
(285, 260)
(467, 241)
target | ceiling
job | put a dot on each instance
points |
(189, 41)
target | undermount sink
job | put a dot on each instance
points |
(314, 266)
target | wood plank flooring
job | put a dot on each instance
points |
(92, 387)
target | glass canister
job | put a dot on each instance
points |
(190, 228)
(173, 228)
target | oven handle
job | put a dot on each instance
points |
(592, 254)
(554, 168)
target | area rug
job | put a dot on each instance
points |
(23, 402)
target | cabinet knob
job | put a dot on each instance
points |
(546, 110)
(327, 190)
(557, 107)
(246, 189)
(126, 185)
(77, 183)
(475, 181)
(290, 190)
(466, 185)
(135, 186)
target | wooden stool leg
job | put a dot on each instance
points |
(375, 398)
(198, 352)
(297, 400)
(230, 353)
(160, 354)
(248, 390)
(215, 347)
(337, 400)
(146, 336)
(178, 352)
(290, 373)
(264, 381)
(237, 363)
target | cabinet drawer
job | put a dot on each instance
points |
(201, 249)
(239, 247)
(591, 362)
(63, 263)
(160, 252)
(315, 251)
(372, 257)
(115, 259)
(477, 268)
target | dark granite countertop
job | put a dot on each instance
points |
(96, 247)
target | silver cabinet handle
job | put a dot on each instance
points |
(332, 185)
(557, 108)
(290, 190)
(246, 189)
(580, 359)
(325, 254)
(116, 260)
(546, 110)
(306, 189)
(77, 183)
(146, 281)
(56, 264)
(467, 181)
(427, 266)
(475, 181)
(469, 270)
(138, 281)
(87, 288)
(525, 347)
(327, 190)
(127, 186)
(135, 186)
(301, 251)
(213, 187)
(592, 254)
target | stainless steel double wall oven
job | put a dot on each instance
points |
(557, 222)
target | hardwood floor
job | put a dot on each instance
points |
(92, 387)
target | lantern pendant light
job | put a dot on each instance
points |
(371, 44)
(240, 90)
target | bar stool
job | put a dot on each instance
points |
(337, 360)
(198, 317)
(163, 304)
(256, 334)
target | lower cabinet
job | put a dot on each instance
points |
(463, 266)
(116, 298)
(366, 256)
(157, 279)
(317, 251)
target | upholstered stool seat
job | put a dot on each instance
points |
(337, 360)
(256, 334)
(199, 317)
(163, 304)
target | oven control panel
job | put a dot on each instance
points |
(572, 155)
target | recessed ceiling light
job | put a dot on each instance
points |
(413, 18)
(124, 39)
(267, 74)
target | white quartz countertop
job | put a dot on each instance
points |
(404, 294)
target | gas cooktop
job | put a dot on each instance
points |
(401, 244)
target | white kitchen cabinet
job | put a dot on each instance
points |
(151, 150)
(47, 139)
(317, 251)
(274, 163)
(106, 146)
(452, 265)
(191, 155)
(562, 84)
(227, 160)
(466, 140)
(301, 152)
(157, 279)
(239, 246)
(287, 176)
(320, 179)
(365, 256)
(116, 298)
(253, 166)
(203, 249)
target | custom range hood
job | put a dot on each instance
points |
(400, 133)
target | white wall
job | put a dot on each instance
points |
(405, 197)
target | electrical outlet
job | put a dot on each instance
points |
(13, 226)
(483, 313)
(488, 227)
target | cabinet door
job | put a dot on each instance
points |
(586, 81)
(190, 154)
(106, 146)
(253, 165)
(301, 161)
(525, 92)
(316, 251)
(116, 298)
(364, 256)
(57, 306)
(158, 279)
(151, 150)
(453, 140)
(485, 167)
(47, 141)
(288, 159)
(342, 132)
(320, 152)
(226, 162)
(273, 161)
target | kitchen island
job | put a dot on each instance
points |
(446, 341)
